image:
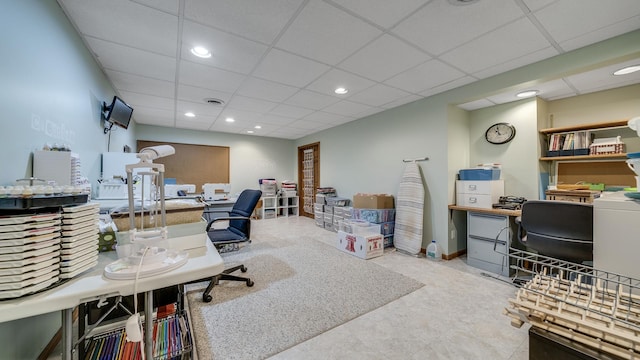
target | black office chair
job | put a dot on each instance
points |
(238, 231)
(557, 229)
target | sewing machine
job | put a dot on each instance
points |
(214, 192)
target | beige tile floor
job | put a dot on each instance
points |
(456, 315)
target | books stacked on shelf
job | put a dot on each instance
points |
(171, 340)
(570, 143)
(289, 188)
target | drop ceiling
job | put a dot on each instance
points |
(276, 63)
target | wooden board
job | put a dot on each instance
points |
(194, 164)
(610, 173)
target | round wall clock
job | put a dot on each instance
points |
(500, 133)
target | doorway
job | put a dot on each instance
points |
(308, 176)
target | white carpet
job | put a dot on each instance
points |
(302, 288)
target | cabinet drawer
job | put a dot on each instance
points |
(492, 187)
(473, 200)
(487, 226)
(481, 249)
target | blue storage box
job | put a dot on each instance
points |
(479, 174)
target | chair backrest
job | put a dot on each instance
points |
(244, 206)
(559, 229)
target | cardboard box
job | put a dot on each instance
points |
(362, 246)
(373, 201)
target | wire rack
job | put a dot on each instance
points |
(594, 307)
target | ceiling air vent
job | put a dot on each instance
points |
(214, 101)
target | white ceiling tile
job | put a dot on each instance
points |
(384, 58)
(328, 82)
(534, 5)
(369, 112)
(402, 101)
(346, 108)
(134, 61)
(516, 63)
(260, 20)
(382, 12)
(119, 21)
(198, 94)
(228, 51)
(311, 100)
(134, 83)
(193, 125)
(170, 6)
(138, 99)
(600, 34)
(315, 30)
(208, 77)
(475, 105)
(603, 78)
(241, 117)
(425, 76)
(290, 111)
(440, 26)
(569, 19)
(327, 118)
(304, 124)
(270, 119)
(250, 104)
(499, 46)
(378, 95)
(266, 90)
(448, 86)
(154, 116)
(289, 69)
(201, 110)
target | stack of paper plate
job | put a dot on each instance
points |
(80, 236)
(29, 253)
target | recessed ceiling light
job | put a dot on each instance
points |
(229, 119)
(340, 91)
(250, 131)
(189, 114)
(527, 93)
(201, 52)
(258, 127)
(627, 70)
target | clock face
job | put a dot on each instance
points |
(500, 133)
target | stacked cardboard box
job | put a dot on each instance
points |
(377, 209)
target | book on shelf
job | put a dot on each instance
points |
(570, 143)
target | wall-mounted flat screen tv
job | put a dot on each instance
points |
(118, 113)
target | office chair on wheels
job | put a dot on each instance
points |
(238, 231)
(558, 229)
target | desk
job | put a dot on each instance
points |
(484, 226)
(203, 262)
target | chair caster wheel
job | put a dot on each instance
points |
(249, 283)
(207, 298)
(243, 268)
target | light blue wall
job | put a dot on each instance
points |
(50, 92)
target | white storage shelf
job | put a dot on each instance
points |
(276, 206)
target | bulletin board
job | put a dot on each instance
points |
(193, 164)
(610, 173)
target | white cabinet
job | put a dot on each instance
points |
(480, 194)
(63, 167)
(288, 206)
(483, 251)
(615, 234)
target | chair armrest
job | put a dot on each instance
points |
(226, 218)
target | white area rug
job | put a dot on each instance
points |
(303, 287)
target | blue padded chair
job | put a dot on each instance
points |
(238, 231)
